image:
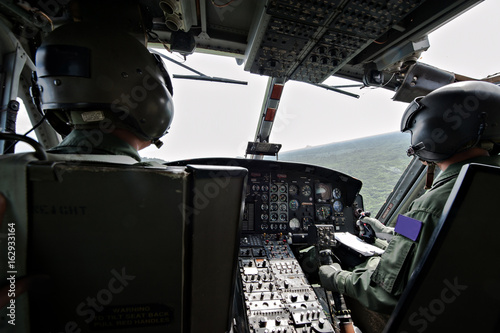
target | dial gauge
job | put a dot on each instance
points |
(306, 190)
(323, 212)
(294, 204)
(294, 224)
(336, 193)
(323, 192)
(293, 189)
(338, 206)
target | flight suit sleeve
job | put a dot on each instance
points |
(358, 284)
(392, 272)
(379, 282)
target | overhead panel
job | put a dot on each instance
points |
(312, 40)
(292, 30)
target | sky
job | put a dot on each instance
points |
(218, 119)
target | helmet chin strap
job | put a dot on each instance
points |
(431, 166)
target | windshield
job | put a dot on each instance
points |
(218, 119)
(315, 125)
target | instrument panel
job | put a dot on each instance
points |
(280, 202)
(286, 197)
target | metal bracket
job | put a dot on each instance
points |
(13, 63)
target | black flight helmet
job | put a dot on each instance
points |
(90, 77)
(452, 119)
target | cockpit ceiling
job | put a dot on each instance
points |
(304, 40)
(314, 39)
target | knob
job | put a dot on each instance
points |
(321, 322)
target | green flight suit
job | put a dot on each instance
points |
(379, 282)
(94, 142)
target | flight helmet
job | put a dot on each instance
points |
(452, 119)
(91, 77)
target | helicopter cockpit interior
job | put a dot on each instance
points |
(204, 244)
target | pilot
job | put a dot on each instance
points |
(452, 126)
(103, 90)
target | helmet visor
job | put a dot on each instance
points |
(63, 60)
(410, 111)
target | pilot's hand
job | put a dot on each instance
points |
(377, 225)
(327, 276)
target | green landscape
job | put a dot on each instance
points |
(378, 161)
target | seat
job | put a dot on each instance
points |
(456, 286)
(124, 247)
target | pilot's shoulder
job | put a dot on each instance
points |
(432, 202)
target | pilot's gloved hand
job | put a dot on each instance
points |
(327, 276)
(377, 225)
